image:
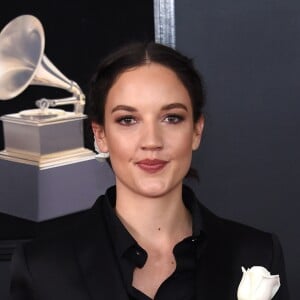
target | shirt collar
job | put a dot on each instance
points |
(192, 204)
(122, 239)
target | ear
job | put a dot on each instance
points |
(100, 138)
(198, 130)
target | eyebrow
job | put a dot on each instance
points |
(165, 107)
(123, 107)
(174, 105)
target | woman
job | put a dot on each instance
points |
(148, 237)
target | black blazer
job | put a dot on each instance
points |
(79, 264)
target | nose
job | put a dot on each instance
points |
(152, 137)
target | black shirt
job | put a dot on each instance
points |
(181, 284)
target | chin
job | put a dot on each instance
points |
(156, 189)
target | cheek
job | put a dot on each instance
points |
(120, 147)
(181, 141)
(183, 159)
(185, 154)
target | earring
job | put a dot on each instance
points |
(100, 154)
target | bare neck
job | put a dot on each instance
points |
(154, 222)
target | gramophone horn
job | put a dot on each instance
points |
(23, 63)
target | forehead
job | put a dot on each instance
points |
(151, 82)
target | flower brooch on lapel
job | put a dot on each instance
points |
(257, 284)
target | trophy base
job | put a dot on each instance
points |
(39, 194)
(48, 160)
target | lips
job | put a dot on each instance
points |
(151, 165)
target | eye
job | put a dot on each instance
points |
(126, 120)
(173, 119)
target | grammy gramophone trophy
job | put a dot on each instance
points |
(45, 171)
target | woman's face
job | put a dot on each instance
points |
(149, 130)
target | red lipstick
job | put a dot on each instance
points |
(151, 165)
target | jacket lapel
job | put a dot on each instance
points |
(215, 263)
(96, 260)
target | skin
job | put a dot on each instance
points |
(150, 135)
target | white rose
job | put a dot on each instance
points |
(257, 284)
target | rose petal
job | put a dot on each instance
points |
(244, 288)
(267, 288)
(257, 284)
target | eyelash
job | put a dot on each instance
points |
(126, 120)
(174, 118)
(131, 120)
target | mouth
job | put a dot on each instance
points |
(151, 165)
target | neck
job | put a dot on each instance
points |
(156, 221)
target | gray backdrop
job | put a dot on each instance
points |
(249, 55)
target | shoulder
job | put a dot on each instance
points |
(219, 229)
(231, 229)
(244, 242)
(57, 254)
(56, 237)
